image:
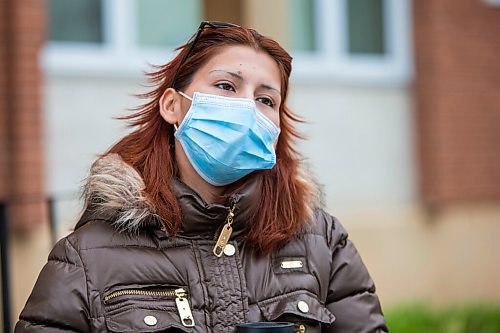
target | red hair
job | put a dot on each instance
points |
(285, 196)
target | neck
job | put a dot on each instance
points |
(210, 193)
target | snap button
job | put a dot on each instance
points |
(303, 307)
(229, 250)
(150, 320)
(302, 328)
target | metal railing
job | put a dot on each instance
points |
(4, 255)
(4, 243)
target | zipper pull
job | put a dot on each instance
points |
(183, 308)
(225, 233)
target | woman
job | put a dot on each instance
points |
(202, 218)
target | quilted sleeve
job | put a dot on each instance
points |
(58, 302)
(351, 292)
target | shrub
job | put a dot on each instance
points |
(425, 319)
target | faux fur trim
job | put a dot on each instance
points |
(114, 188)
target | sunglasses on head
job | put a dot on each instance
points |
(196, 36)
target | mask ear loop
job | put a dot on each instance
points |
(185, 96)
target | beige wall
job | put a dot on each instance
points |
(263, 16)
(29, 252)
(445, 257)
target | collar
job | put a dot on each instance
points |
(202, 219)
(114, 192)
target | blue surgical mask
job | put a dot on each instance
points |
(226, 138)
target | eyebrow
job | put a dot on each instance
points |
(240, 78)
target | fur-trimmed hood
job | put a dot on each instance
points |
(115, 191)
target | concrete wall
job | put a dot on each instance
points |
(80, 124)
(359, 139)
(359, 143)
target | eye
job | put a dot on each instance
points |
(225, 86)
(266, 101)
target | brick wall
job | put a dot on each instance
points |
(22, 33)
(457, 89)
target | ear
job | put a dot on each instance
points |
(170, 106)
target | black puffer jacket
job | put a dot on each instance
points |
(119, 272)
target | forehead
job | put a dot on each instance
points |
(251, 64)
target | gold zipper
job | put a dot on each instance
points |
(225, 233)
(154, 293)
(180, 295)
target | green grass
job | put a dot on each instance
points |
(463, 319)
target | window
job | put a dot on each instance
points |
(353, 41)
(357, 41)
(76, 21)
(365, 27)
(492, 2)
(116, 37)
(301, 25)
(161, 24)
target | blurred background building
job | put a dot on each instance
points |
(402, 102)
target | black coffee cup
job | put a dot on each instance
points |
(265, 327)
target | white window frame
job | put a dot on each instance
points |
(494, 3)
(121, 55)
(333, 62)
(118, 55)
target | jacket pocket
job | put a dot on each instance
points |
(150, 308)
(299, 307)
